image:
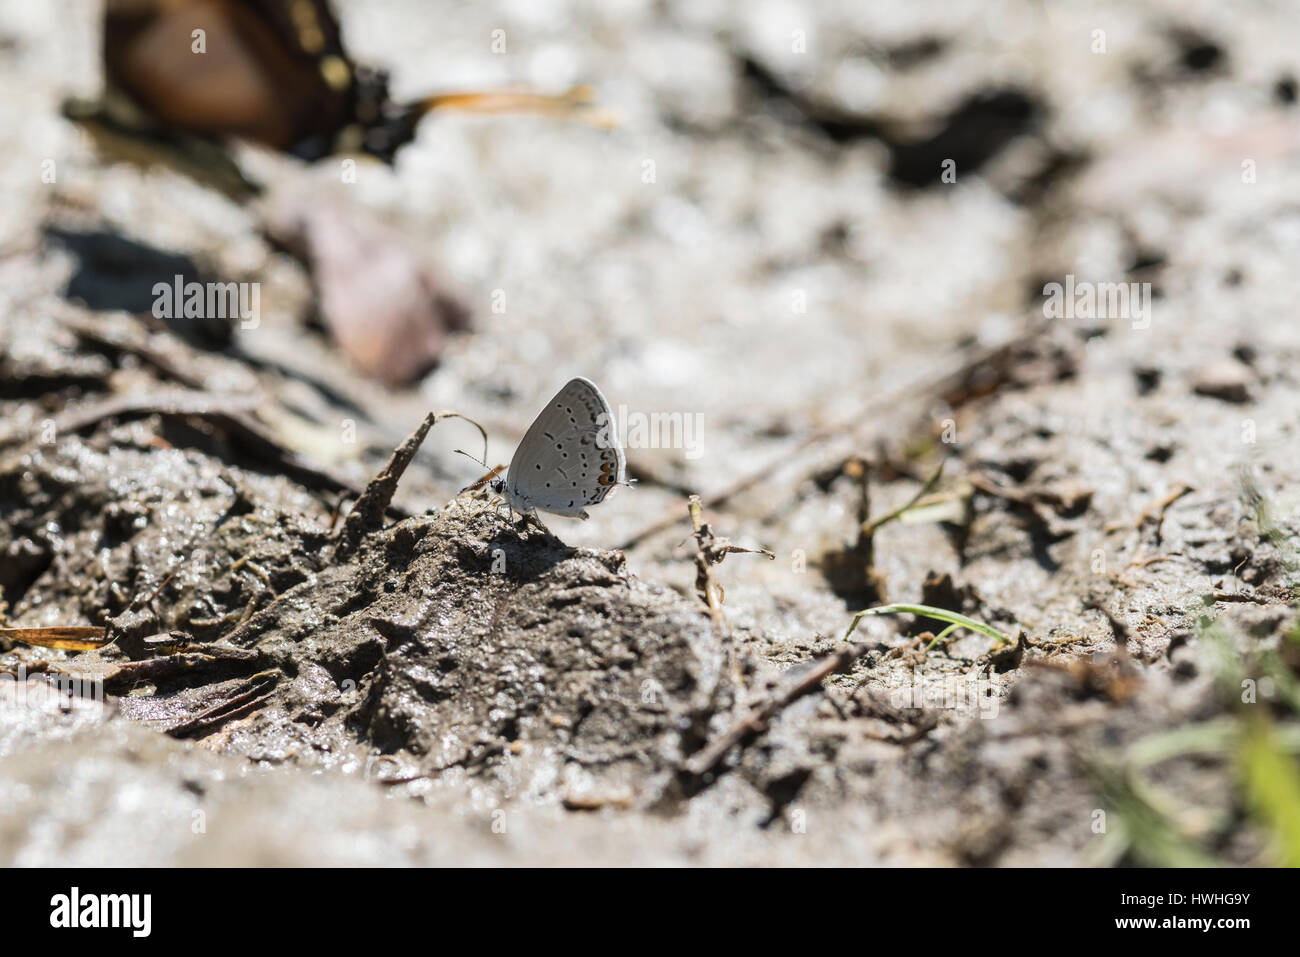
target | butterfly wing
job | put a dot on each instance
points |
(570, 457)
(271, 71)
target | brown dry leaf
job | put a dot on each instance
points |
(72, 638)
(377, 297)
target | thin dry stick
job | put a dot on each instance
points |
(1162, 507)
(987, 485)
(704, 583)
(251, 695)
(368, 514)
(865, 546)
(708, 758)
(709, 551)
(158, 591)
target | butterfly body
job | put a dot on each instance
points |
(570, 457)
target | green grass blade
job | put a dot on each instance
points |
(1272, 783)
(928, 611)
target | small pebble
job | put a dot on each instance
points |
(1227, 379)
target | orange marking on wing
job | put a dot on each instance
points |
(485, 479)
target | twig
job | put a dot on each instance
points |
(1240, 597)
(157, 591)
(755, 722)
(368, 513)
(864, 548)
(709, 551)
(990, 487)
(1117, 628)
(254, 693)
(1161, 507)
(704, 584)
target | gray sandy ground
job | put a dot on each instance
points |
(457, 689)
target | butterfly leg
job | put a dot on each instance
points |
(532, 517)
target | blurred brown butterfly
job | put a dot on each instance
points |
(275, 72)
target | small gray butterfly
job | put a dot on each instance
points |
(569, 458)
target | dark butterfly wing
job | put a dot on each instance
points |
(273, 71)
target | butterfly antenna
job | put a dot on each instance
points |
(492, 473)
(472, 458)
